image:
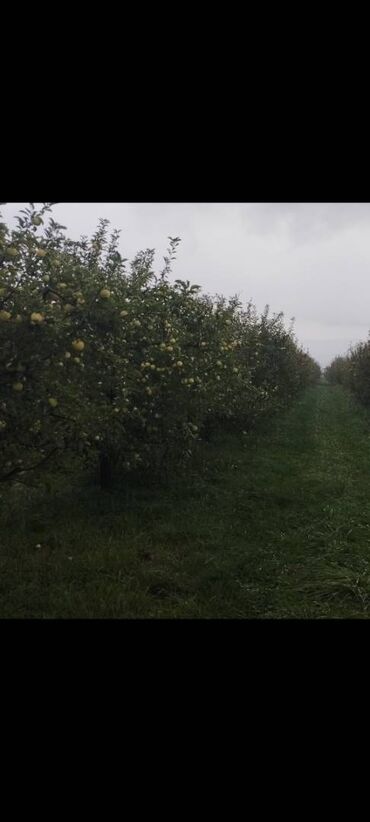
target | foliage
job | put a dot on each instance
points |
(100, 361)
(353, 371)
(337, 371)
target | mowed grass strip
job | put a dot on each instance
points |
(275, 524)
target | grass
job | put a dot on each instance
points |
(272, 525)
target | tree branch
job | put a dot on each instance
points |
(22, 470)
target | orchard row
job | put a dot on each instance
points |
(100, 361)
(353, 371)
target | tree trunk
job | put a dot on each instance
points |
(105, 471)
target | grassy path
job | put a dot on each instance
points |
(276, 526)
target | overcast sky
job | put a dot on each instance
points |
(309, 260)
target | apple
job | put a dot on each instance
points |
(78, 345)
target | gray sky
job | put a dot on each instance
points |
(309, 260)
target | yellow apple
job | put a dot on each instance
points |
(5, 315)
(105, 293)
(53, 402)
(17, 386)
(36, 317)
(78, 345)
